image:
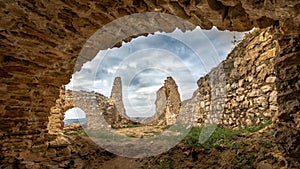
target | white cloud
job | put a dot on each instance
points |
(75, 113)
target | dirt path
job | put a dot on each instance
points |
(142, 131)
(121, 163)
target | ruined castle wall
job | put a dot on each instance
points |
(117, 96)
(100, 111)
(287, 122)
(40, 41)
(249, 91)
(57, 112)
(167, 104)
(92, 103)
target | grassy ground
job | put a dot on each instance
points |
(221, 137)
(248, 147)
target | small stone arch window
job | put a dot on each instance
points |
(75, 115)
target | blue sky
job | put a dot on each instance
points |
(145, 62)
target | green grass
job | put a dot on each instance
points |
(103, 134)
(221, 137)
(244, 160)
(75, 133)
(257, 127)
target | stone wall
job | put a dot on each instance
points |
(100, 111)
(41, 40)
(287, 69)
(91, 103)
(116, 96)
(167, 104)
(57, 112)
(244, 90)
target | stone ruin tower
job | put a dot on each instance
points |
(167, 104)
(116, 96)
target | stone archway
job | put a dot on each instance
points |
(40, 42)
(89, 102)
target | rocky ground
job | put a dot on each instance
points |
(251, 148)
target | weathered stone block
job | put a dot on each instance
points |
(266, 88)
(271, 79)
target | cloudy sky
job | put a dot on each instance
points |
(144, 63)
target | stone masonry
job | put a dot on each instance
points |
(116, 96)
(241, 91)
(167, 104)
(246, 90)
(91, 103)
(101, 112)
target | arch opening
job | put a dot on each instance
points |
(240, 82)
(75, 115)
(98, 74)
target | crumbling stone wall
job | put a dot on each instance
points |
(277, 68)
(96, 106)
(167, 104)
(114, 111)
(116, 96)
(91, 103)
(249, 90)
(100, 111)
(40, 41)
(287, 70)
(57, 112)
